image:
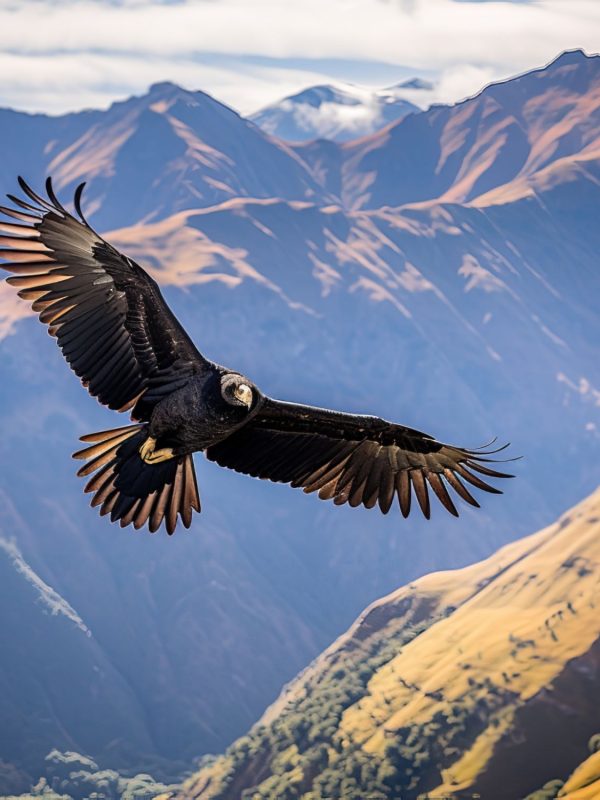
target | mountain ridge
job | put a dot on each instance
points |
(454, 703)
(485, 141)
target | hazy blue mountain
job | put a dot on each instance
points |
(417, 84)
(149, 156)
(510, 131)
(332, 112)
(57, 682)
(466, 319)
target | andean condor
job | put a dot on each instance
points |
(130, 352)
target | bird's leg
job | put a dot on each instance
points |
(147, 448)
(164, 454)
(151, 456)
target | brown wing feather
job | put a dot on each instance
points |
(108, 316)
(131, 491)
(352, 459)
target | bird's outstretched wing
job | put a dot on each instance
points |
(107, 314)
(352, 459)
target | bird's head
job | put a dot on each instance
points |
(238, 391)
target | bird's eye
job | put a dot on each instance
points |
(243, 393)
(236, 391)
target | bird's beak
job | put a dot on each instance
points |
(244, 394)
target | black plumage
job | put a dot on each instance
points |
(130, 352)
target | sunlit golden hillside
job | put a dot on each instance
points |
(480, 680)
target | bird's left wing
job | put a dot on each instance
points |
(107, 314)
(352, 459)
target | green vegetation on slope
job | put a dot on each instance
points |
(71, 776)
(299, 754)
(476, 680)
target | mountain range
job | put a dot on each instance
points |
(441, 272)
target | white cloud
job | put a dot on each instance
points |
(330, 118)
(66, 81)
(12, 309)
(84, 52)
(426, 32)
(458, 82)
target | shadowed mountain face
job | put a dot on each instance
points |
(57, 682)
(474, 681)
(497, 142)
(464, 319)
(149, 156)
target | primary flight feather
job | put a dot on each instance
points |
(130, 352)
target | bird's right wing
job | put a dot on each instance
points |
(107, 314)
(352, 459)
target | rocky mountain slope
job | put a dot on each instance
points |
(149, 156)
(467, 319)
(543, 123)
(473, 681)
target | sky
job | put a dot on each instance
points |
(65, 55)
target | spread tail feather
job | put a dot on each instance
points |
(132, 491)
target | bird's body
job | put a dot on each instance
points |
(195, 416)
(119, 336)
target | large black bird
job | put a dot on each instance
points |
(119, 336)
